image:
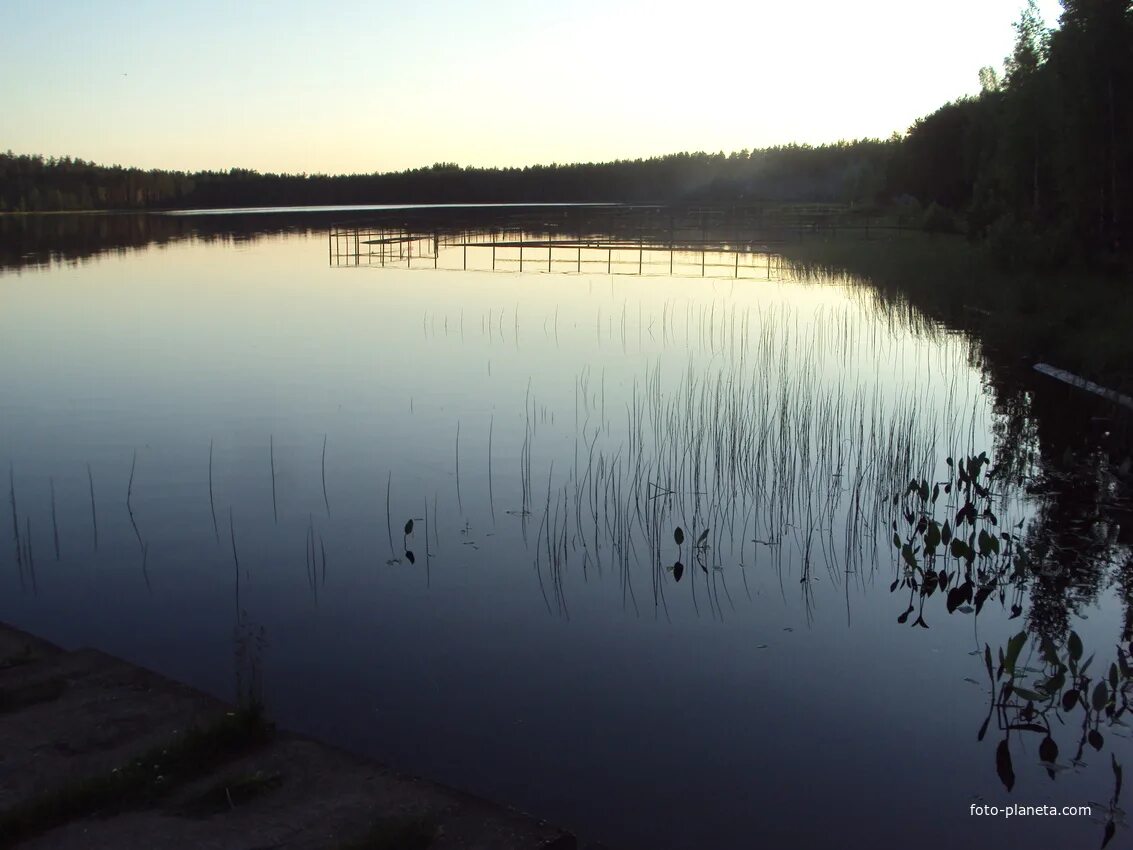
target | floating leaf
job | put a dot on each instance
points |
(679, 535)
(678, 569)
(987, 661)
(946, 533)
(408, 528)
(1003, 765)
(896, 541)
(1048, 750)
(410, 557)
(932, 536)
(983, 728)
(985, 543)
(1117, 772)
(703, 536)
(1113, 677)
(957, 597)
(1014, 647)
(893, 586)
(1100, 696)
(1096, 740)
(1055, 683)
(909, 557)
(981, 596)
(1069, 699)
(1049, 651)
(1110, 831)
(1074, 645)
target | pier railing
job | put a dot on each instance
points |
(522, 251)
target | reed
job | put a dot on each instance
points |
(389, 524)
(129, 507)
(212, 503)
(54, 519)
(326, 501)
(271, 457)
(93, 511)
(15, 516)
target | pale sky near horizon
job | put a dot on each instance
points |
(379, 86)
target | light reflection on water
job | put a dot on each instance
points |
(546, 434)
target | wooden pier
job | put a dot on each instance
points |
(697, 255)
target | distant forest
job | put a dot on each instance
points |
(1039, 164)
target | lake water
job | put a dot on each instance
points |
(450, 498)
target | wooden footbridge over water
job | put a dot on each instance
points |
(523, 251)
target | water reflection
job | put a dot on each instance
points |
(595, 528)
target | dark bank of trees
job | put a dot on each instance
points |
(842, 172)
(1039, 164)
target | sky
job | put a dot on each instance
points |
(354, 87)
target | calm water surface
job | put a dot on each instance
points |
(539, 636)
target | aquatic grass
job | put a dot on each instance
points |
(30, 555)
(389, 525)
(212, 503)
(235, 557)
(781, 435)
(54, 518)
(94, 512)
(129, 506)
(326, 501)
(15, 522)
(271, 458)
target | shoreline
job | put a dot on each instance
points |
(99, 752)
